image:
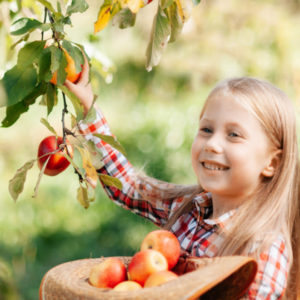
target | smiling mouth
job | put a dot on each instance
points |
(214, 167)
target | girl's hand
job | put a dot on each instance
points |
(82, 89)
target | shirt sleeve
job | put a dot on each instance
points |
(117, 165)
(271, 278)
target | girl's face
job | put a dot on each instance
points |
(231, 152)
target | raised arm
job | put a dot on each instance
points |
(115, 163)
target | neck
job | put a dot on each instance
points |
(222, 205)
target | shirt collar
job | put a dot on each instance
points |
(203, 203)
(221, 221)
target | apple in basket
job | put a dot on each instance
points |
(145, 263)
(159, 278)
(108, 273)
(128, 285)
(165, 242)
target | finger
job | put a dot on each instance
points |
(84, 78)
(70, 85)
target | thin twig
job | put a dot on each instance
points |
(45, 19)
(67, 131)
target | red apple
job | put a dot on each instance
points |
(160, 278)
(144, 263)
(165, 242)
(108, 273)
(127, 285)
(57, 162)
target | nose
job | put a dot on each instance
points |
(213, 145)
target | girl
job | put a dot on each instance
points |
(245, 158)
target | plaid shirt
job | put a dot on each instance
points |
(196, 232)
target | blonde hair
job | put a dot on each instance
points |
(276, 208)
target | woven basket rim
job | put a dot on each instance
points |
(70, 279)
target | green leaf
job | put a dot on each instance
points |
(91, 115)
(125, 18)
(196, 2)
(44, 71)
(111, 181)
(18, 83)
(160, 35)
(112, 141)
(16, 184)
(47, 124)
(50, 97)
(75, 53)
(23, 39)
(30, 53)
(13, 112)
(166, 3)
(48, 5)
(56, 57)
(59, 64)
(82, 196)
(77, 6)
(75, 101)
(175, 21)
(25, 25)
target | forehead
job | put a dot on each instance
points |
(227, 108)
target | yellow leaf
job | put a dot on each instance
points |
(184, 9)
(103, 18)
(91, 174)
(135, 5)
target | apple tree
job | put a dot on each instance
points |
(43, 64)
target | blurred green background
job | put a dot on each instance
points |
(154, 115)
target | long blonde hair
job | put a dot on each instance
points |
(276, 208)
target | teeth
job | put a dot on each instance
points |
(213, 167)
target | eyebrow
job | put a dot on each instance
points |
(230, 124)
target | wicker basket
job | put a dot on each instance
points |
(220, 278)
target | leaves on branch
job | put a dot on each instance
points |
(18, 83)
(135, 5)
(184, 9)
(112, 141)
(104, 16)
(13, 112)
(50, 97)
(75, 53)
(77, 6)
(161, 31)
(49, 127)
(36, 188)
(82, 196)
(16, 184)
(95, 154)
(91, 174)
(30, 53)
(59, 64)
(75, 101)
(175, 21)
(48, 5)
(25, 25)
(111, 181)
(125, 18)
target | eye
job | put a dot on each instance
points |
(233, 134)
(206, 130)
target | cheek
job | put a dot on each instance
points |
(194, 152)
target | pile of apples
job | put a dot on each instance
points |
(151, 266)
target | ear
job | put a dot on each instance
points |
(272, 164)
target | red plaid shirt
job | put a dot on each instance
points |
(196, 232)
